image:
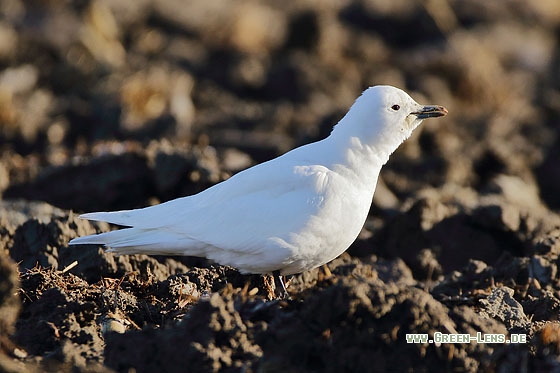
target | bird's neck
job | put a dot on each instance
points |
(358, 163)
(358, 149)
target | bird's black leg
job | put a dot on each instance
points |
(279, 287)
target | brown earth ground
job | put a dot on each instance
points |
(109, 105)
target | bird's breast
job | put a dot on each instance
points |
(341, 210)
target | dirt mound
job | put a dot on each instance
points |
(139, 315)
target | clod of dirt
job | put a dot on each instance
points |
(501, 305)
(456, 229)
(212, 337)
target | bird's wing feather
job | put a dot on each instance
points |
(272, 177)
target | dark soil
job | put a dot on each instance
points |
(113, 105)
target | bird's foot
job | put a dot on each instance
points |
(279, 286)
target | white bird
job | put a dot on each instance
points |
(285, 216)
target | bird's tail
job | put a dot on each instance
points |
(133, 240)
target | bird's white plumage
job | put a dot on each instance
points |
(291, 214)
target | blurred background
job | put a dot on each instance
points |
(118, 104)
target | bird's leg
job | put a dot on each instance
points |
(279, 287)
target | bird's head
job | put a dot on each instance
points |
(385, 116)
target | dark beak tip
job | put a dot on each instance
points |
(431, 111)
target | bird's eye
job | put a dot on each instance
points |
(395, 107)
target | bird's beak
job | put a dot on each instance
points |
(430, 111)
